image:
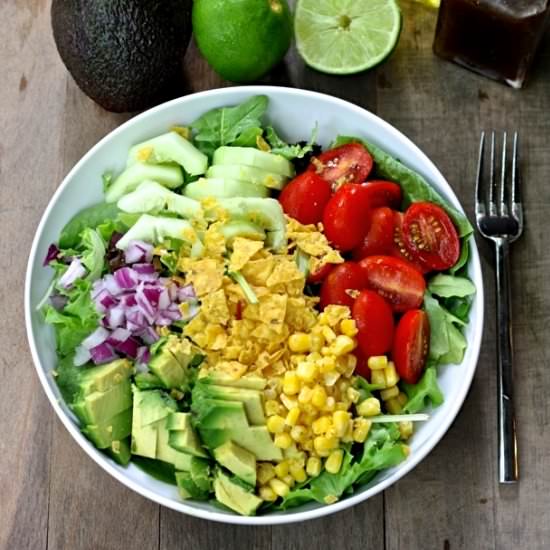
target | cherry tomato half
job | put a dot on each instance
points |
(318, 276)
(395, 280)
(430, 236)
(350, 163)
(379, 239)
(362, 367)
(305, 198)
(383, 193)
(346, 220)
(399, 249)
(411, 344)
(343, 278)
(374, 319)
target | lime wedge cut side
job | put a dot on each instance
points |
(346, 36)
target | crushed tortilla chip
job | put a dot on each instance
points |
(214, 307)
(205, 275)
(243, 251)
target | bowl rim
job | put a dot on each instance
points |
(268, 519)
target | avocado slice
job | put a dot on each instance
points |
(249, 381)
(252, 174)
(182, 435)
(219, 415)
(170, 147)
(223, 187)
(120, 451)
(169, 175)
(196, 482)
(237, 460)
(254, 157)
(170, 364)
(103, 435)
(103, 377)
(234, 496)
(251, 399)
(147, 381)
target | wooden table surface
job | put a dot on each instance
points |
(53, 496)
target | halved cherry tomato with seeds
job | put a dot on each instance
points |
(340, 283)
(379, 239)
(374, 320)
(411, 344)
(395, 280)
(350, 163)
(399, 250)
(430, 236)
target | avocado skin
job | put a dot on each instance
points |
(125, 55)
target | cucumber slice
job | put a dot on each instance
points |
(240, 228)
(170, 147)
(152, 198)
(154, 229)
(220, 188)
(247, 173)
(169, 175)
(254, 157)
(266, 213)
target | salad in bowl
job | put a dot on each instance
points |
(256, 322)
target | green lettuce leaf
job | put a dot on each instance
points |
(448, 286)
(226, 125)
(423, 393)
(288, 151)
(415, 187)
(93, 256)
(463, 258)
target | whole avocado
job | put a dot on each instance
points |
(125, 54)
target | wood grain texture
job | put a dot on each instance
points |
(52, 496)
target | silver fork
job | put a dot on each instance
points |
(502, 223)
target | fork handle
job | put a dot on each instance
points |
(507, 445)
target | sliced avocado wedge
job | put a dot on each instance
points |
(183, 436)
(103, 435)
(152, 198)
(253, 157)
(237, 460)
(120, 451)
(103, 377)
(219, 414)
(250, 381)
(251, 174)
(168, 175)
(223, 187)
(170, 147)
(266, 213)
(234, 496)
(251, 399)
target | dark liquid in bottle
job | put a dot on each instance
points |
(497, 38)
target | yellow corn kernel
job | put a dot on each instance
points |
(313, 466)
(377, 362)
(348, 327)
(348, 436)
(340, 421)
(330, 378)
(353, 395)
(325, 350)
(328, 334)
(330, 405)
(330, 499)
(282, 469)
(299, 342)
(323, 444)
(402, 399)
(267, 494)
(316, 342)
(288, 402)
(291, 383)
(341, 406)
(283, 440)
(308, 418)
(378, 377)
(369, 407)
(327, 364)
(276, 424)
(393, 406)
(343, 344)
(321, 425)
(305, 395)
(298, 433)
(298, 473)
(298, 358)
(334, 462)
(270, 394)
(406, 450)
(361, 428)
(391, 375)
(389, 393)
(272, 407)
(308, 445)
(280, 488)
(292, 417)
(289, 480)
(265, 472)
(319, 397)
(307, 371)
(314, 357)
(406, 429)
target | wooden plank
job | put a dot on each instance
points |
(30, 94)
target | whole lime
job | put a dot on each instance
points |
(242, 39)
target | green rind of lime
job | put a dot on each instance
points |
(346, 36)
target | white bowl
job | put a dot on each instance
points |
(294, 113)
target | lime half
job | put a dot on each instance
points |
(346, 36)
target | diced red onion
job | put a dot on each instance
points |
(119, 335)
(186, 292)
(126, 278)
(138, 251)
(74, 272)
(102, 353)
(58, 301)
(52, 254)
(129, 347)
(145, 269)
(143, 355)
(149, 335)
(164, 299)
(97, 337)
(112, 286)
(81, 356)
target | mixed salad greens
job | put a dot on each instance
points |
(259, 323)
